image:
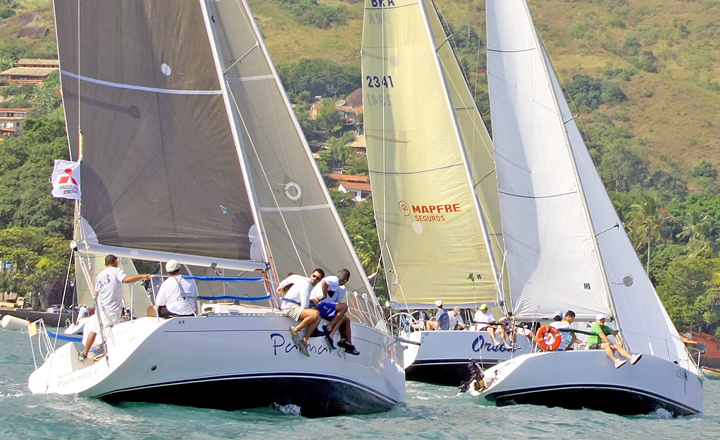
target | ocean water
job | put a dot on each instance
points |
(431, 412)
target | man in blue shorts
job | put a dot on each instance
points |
(329, 294)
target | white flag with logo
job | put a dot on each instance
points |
(66, 180)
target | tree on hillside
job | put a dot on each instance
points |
(643, 223)
(697, 232)
(26, 164)
(690, 291)
(624, 167)
(38, 265)
(319, 77)
(328, 119)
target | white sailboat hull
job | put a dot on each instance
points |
(443, 356)
(230, 362)
(588, 379)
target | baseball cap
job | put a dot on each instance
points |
(483, 307)
(172, 266)
(438, 302)
(599, 316)
(558, 313)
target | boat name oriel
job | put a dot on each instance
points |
(479, 343)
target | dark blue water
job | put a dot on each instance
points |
(432, 412)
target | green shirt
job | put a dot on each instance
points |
(597, 328)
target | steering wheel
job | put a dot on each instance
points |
(403, 321)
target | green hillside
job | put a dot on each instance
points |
(640, 74)
(675, 112)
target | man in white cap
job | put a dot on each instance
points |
(456, 319)
(599, 341)
(441, 320)
(109, 294)
(177, 294)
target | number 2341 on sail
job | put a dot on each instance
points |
(375, 81)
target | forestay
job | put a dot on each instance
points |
(428, 152)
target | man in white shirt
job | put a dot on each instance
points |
(484, 319)
(567, 339)
(296, 305)
(176, 296)
(109, 294)
(456, 319)
(82, 312)
(329, 295)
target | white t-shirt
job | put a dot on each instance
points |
(109, 286)
(299, 294)
(481, 319)
(292, 279)
(455, 320)
(176, 295)
(336, 297)
(564, 336)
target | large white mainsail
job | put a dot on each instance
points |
(553, 260)
(578, 255)
(428, 153)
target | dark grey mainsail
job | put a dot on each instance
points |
(177, 99)
(160, 167)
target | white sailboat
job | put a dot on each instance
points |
(567, 248)
(190, 151)
(434, 186)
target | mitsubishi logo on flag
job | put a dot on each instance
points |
(66, 180)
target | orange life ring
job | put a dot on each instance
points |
(548, 338)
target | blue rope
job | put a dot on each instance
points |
(235, 298)
(64, 337)
(234, 279)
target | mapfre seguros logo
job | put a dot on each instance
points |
(404, 208)
(428, 213)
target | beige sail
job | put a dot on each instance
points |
(430, 222)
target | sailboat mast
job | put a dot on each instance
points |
(232, 115)
(463, 154)
(542, 53)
